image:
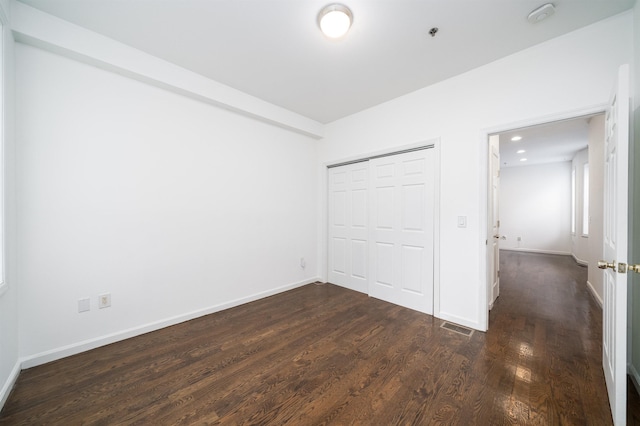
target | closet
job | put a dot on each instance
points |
(381, 227)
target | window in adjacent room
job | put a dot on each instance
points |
(573, 201)
(585, 200)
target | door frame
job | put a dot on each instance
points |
(483, 188)
(323, 229)
(491, 215)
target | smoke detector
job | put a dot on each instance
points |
(541, 13)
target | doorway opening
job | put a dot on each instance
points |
(544, 193)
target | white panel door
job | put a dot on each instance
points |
(348, 216)
(401, 218)
(494, 221)
(614, 345)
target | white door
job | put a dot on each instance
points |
(614, 356)
(493, 239)
(401, 221)
(348, 199)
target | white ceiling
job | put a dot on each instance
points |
(546, 143)
(272, 49)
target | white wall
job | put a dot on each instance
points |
(535, 205)
(174, 206)
(566, 74)
(9, 355)
(580, 241)
(596, 204)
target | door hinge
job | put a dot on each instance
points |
(498, 274)
(498, 224)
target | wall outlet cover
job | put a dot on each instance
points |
(84, 305)
(104, 300)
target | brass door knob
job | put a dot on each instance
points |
(634, 268)
(603, 264)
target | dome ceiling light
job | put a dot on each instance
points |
(335, 20)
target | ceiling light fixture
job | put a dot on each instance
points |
(516, 138)
(335, 20)
(523, 159)
(541, 13)
(521, 151)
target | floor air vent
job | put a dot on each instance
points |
(457, 329)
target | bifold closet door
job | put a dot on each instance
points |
(401, 222)
(348, 227)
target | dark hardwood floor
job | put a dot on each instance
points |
(321, 354)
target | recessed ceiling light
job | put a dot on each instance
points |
(520, 151)
(523, 159)
(335, 20)
(516, 138)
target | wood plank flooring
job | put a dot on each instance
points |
(321, 355)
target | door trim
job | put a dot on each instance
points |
(483, 188)
(323, 229)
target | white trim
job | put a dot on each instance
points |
(8, 385)
(382, 152)
(436, 231)
(483, 183)
(580, 261)
(595, 294)
(529, 250)
(76, 348)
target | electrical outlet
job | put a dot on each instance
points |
(303, 263)
(84, 305)
(519, 238)
(104, 300)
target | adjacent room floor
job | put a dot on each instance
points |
(321, 354)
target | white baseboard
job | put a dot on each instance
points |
(594, 293)
(8, 385)
(579, 261)
(530, 250)
(76, 348)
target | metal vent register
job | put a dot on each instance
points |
(457, 329)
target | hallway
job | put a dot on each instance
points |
(549, 329)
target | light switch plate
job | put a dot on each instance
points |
(84, 305)
(462, 221)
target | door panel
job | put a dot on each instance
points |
(401, 222)
(359, 258)
(339, 256)
(493, 239)
(614, 347)
(348, 215)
